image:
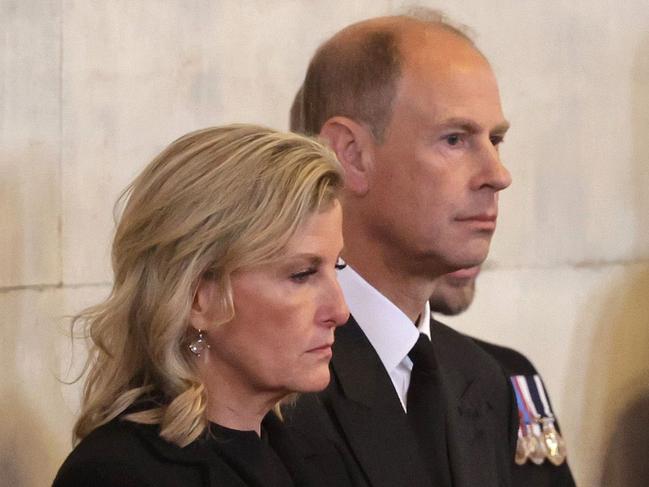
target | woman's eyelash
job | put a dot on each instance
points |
(302, 275)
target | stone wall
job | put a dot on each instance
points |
(91, 90)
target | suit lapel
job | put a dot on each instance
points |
(294, 455)
(370, 414)
(469, 427)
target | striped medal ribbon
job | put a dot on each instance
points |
(554, 443)
(532, 434)
(538, 429)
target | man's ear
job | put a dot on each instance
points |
(354, 146)
(206, 307)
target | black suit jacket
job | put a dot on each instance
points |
(126, 454)
(361, 411)
(529, 474)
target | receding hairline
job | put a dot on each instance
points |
(397, 38)
(401, 26)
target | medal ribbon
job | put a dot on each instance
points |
(520, 401)
(534, 395)
(543, 397)
(554, 443)
(522, 383)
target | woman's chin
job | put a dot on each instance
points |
(315, 382)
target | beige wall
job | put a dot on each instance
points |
(91, 90)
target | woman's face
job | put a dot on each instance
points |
(285, 314)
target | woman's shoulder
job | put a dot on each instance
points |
(107, 454)
(119, 453)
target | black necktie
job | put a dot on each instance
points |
(426, 412)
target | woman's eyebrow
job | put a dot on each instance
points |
(306, 256)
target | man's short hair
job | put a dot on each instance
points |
(355, 73)
(296, 121)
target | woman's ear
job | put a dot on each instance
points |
(206, 308)
(354, 146)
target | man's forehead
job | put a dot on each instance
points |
(441, 60)
(435, 43)
(435, 56)
(450, 88)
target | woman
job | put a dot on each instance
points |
(224, 302)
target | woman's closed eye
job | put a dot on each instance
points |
(303, 275)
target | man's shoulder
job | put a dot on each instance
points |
(513, 361)
(462, 351)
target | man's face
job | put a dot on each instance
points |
(454, 292)
(436, 175)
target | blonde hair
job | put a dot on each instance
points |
(213, 201)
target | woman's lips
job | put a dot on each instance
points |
(324, 350)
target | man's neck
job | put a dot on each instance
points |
(406, 291)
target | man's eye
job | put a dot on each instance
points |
(496, 140)
(340, 264)
(453, 139)
(304, 275)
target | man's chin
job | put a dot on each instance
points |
(466, 273)
(463, 277)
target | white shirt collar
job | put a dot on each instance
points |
(388, 329)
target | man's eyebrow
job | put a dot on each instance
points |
(470, 126)
(501, 128)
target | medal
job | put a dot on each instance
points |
(535, 445)
(521, 443)
(538, 451)
(555, 444)
(528, 445)
(521, 451)
(539, 434)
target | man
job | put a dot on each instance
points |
(453, 295)
(454, 292)
(412, 110)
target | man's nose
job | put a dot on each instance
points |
(493, 174)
